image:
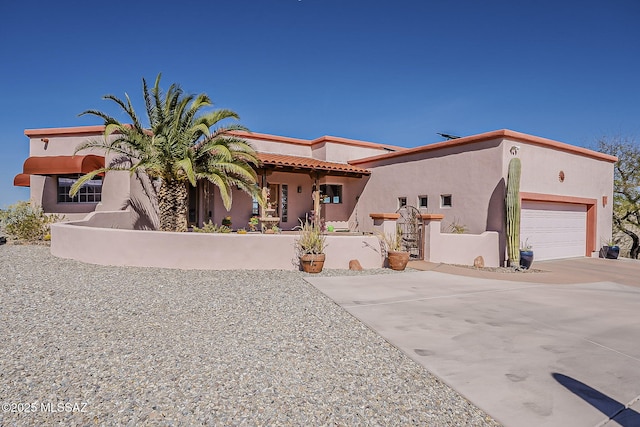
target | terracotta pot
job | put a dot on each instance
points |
(312, 263)
(398, 260)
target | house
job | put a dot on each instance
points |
(566, 190)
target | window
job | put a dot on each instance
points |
(423, 201)
(90, 192)
(402, 202)
(284, 212)
(445, 201)
(255, 206)
(331, 193)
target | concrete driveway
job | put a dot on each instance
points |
(529, 354)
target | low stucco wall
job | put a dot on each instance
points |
(114, 246)
(464, 248)
(446, 247)
(108, 219)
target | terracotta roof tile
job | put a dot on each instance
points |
(306, 163)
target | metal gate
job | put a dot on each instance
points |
(410, 225)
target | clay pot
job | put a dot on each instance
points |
(526, 259)
(312, 263)
(398, 260)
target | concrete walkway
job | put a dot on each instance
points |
(573, 270)
(529, 354)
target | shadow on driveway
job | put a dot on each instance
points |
(613, 409)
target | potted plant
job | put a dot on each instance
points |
(397, 258)
(226, 221)
(310, 246)
(253, 223)
(526, 255)
(610, 250)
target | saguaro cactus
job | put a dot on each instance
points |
(512, 204)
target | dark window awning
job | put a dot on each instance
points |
(62, 165)
(22, 180)
(288, 163)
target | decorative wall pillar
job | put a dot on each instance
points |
(431, 230)
(385, 223)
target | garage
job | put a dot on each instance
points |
(555, 230)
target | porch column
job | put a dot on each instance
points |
(385, 223)
(316, 203)
(317, 207)
(431, 230)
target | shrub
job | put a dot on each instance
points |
(253, 223)
(457, 228)
(392, 242)
(310, 240)
(26, 222)
(210, 227)
(207, 227)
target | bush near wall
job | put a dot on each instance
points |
(22, 221)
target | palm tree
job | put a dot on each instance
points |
(177, 149)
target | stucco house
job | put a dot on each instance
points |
(566, 190)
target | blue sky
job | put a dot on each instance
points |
(389, 72)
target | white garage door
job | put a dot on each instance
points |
(555, 230)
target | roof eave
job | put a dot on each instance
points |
(502, 133)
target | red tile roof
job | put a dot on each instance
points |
(306, 163)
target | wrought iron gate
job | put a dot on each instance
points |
(410, 225)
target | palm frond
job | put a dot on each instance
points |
(183, 143)
(84, 179)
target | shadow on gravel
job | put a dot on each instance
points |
(613, 409)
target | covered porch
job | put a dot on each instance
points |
(296, 187)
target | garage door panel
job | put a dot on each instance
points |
(555, 230)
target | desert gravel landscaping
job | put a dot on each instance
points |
(142, 346)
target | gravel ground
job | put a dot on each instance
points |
(142, 346)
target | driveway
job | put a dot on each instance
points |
(530, 354)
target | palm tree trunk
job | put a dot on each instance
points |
(173, 205)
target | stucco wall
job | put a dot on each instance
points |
(113, 246)
(471, 175)
(584, 177)
(61, 145)
(275, 147)
(342, 152)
